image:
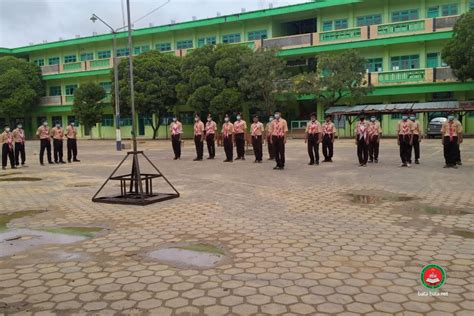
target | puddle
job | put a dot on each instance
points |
(21, 179)
(9, 174)
(378, 198)
(75, 231)
(463, 233)
(6, 218)
(192, 255)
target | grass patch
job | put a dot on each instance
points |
(21, 179)
(6, 218)
(77, 231)
(203, 248)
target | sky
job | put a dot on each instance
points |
(32, 21)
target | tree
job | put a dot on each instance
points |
(263, 79)
(459, 51)
(155, 78)
(338, 78)
(88, 105)
(21, 86)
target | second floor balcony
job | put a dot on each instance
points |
(57, 100)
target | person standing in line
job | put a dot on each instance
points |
(405, 139)
(257, 131)
(19, 140)
(57, 134)
(362, 140)
(451, 132)
(45, 142)
(198, 138)
(228, 139)
(375, 132)
(313, 137)
(417, 133)
(329, 133)
(240, 130)
(6, 139)
(268, 135)
(279, 133)
(211, 128)
(176, 129)
(71, 142)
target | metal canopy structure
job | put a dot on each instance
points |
(441, 106)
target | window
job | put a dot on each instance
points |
(163, 47)
(107, 120)
(126, 121)
(369, 20)
(405, 62)
(405, 15)
(211, 40)
(39, 62)
(201, 42)
(257, 35)
(104, 54)
(87, 56)
(471, 5)
(449, 9)
(432, 60)
(396, 116)
(327, 26)
(53, 61)
(231, 38)
(433, 12)
(141, 49)
(70, 59)
(374, 64)
(185, 44)
(70, 89)
(55, 90)
(107, 86)
(122, 52)
(340, 24)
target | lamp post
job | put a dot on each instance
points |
(118, 135)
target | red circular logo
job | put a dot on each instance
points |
(432, 276)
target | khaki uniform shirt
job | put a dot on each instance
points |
(416, 128)
(313, 127)
(227, 129)
(375, 129)
(240, 127)
(404, 128)
(211, 127)
(257, 129)
(71, 132)
(451, 129)
(268, 129)
(6, 138)
(176, 128)
(43, 132)
(279, 127)
(18, 135)
(362, 129)
(57, 133)
(198, 128)
(329, 128)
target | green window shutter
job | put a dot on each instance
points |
(471, 5)
(122, 52)
(70, 59)
(87, 56)
(405, 15)
(211, 40)
(184, 44)
(257, 35)
(433, 12)
(374, 64)
(53, 61)
(39, 62)
(231, 38)
(104, 54)
(107, 120)
(449, 9)
(327, 26)
(369, 20)
(340, 24)
(163, 47)
(432, 60)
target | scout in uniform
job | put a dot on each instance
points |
(45, 143)
(417, 132)
(405, 140)
(375, 132)
(228, 138)
(329, 133)
(362, 140)
(211, 128)
(312, 137)
(71, 144)
(19, 140)
(451, 132)
(176, 129)
(458, 157)
(6, 139)
(257, 131)
(240, 129)
(268, 135)
(198, 138)
(57, 134)
(279, 131)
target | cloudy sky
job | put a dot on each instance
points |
(32, 21)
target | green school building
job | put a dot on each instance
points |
(400, 39)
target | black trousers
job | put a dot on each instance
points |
(328, 147)
(45, 144)
(71, 149)
(7, 154)
(271, 151)
(257, 147)
(199, 146)
(20, 152)
(405, 148)
(211, 145)
(176, 143)
(362, 151)
(451, 148)
(228, 148)
(279, 147)
(458, 157)
(58, 150)
(313, 147)
(416, 147)
(374, 148)
(240, 144)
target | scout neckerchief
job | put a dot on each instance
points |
(197, 129)
(239, 126)
(278, 129)
(175, 128)
(451, 131)
(210, 127)
(361, 130)
(327, 128)
(373, 129)
(255, 128)
(313, 127)
(405, 128)
(10, 140)
(227, 127)
(22, 135)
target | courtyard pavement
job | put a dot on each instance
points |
(310, 240)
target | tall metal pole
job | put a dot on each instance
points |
(118, 135)
(132, 92)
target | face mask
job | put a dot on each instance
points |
(372, 119)
(270, 119)
(313, 119)
(196, 119)
(404, 118)
(58, 126)
(7, 130)
(45, 124)
(238, 117)
(451, 118)
(277, 116)
(174, 119)
(226, 119)
(20, 126)
(413, 118)
(72, 124)
(209, 119)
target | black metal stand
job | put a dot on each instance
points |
(136, 188)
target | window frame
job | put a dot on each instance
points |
(122, 52)
(102, 53)
(231, 38)
(53, 88)
(372, 63)
(341, 24)
(405, 13)
(67, 89)
(70, 59)
(56, 60)
(371, 19)
(39, 62)
(327, 26)
(185, 44)
(431, 13)
(90, 56)
(107, 120)
(404, 60)
(257, 35)
(449, 7)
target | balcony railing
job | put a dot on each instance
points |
(100, 63)
(445, 22)
(50, 69)
(289, 41)
(401, 27)
(71, 67)
(340, 35)
(51, 100)
(444, 74)
(68, 99)
(403, 76)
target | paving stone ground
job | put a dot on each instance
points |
(297, 241)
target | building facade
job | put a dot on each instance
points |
(401, 40)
